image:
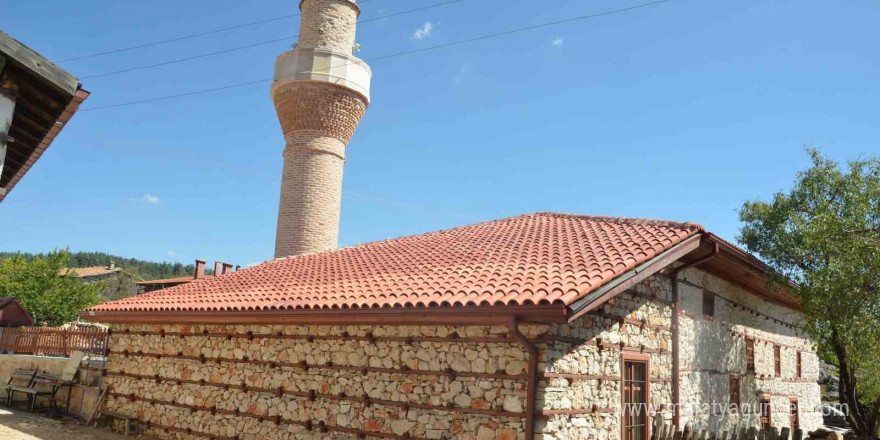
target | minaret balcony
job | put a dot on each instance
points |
(321, 65)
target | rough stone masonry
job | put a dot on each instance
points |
(253, 382)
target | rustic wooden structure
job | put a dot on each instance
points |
(53, 341)
(663, 431)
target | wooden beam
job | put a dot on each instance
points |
(38, 65)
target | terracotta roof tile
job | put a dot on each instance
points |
(543, 258)
(90, 271)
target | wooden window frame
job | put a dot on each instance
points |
(750, 354)
(708, 305)
(769, 401)
(800, 366)
(794, 417)
(734, 396)
(777, 360)
(646, 359)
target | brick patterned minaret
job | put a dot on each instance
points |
(320, 92)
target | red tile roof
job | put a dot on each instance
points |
(542, 258)
(177, 280)
(90, 271)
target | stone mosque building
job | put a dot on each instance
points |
(543, 326)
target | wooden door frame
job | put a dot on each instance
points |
(642, 358)
(769, 399)
(794, 400)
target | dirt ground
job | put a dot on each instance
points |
(18, 424)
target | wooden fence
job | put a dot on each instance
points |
(661, 431)
(53, 341)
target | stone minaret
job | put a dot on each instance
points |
(320, 92)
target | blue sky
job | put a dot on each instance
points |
(677, 111)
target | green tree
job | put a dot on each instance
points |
(46, 295)
(824, 234)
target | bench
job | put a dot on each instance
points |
(47, 385)
(125, 418)
(51, 384)
(20, 378)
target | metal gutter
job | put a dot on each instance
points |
(633, 276)
(476, 315)
(532, 384)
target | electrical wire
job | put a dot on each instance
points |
(395, 55)
(259, 43)
(186, 37)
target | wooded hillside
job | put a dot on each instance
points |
(145, 270)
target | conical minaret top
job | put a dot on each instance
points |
(321, 91)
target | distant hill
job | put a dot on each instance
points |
(145, 270)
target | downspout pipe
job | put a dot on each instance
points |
(676, 338)
(532, 385)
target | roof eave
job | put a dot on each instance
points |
(628, 279)
(742, 268)
(79, 96)
(476, 315)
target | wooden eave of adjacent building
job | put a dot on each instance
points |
(46, 99)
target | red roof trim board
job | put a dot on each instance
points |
(543, 261)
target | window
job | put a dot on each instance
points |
(708, 304)
(765, 414)
(794, 420)
(799, 368)
(750, 355)
(734, 394)
(777, 360)
(635, 397)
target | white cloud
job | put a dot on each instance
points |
(252, 263)
(424, 31)
(147, 198)
(172, 254)
(459, 76)
(558, 41)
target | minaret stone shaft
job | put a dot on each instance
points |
(320, 92)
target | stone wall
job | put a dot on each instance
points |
(291, 382)
(435, 382)
(714, 348)
(585, 402)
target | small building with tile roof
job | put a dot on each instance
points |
(90, 273)
(164, 283)
(544, 326)
(13, 314)
(117, 282)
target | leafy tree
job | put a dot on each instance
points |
(46, 295)
(145, 270)
(824, 234)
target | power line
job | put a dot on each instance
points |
(259, 43)
(395, 55)
(186, 37)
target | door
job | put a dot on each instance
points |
(765, 414)
(635, 398)
(793, 416)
